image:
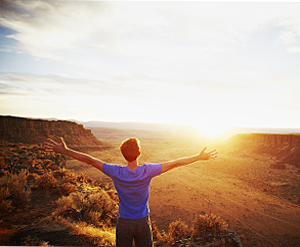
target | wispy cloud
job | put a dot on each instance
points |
(114, 87)
(154, 30)
(51, 29)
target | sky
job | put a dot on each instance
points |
(212, 65)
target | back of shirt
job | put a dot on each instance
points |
(133, 188)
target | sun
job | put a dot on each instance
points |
(212, 131)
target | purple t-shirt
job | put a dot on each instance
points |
(133, 188)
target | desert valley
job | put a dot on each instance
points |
(253, 185)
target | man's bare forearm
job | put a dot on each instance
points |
(84, 158)
(62, 148)
(77, 155)
(186, 161)
(166, 166)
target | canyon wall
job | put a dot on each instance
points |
(35, 131)
(284, 147)
(270, 139)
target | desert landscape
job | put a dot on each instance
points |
(253, 186)
(261, 203)
(177, 75)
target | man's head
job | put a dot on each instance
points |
(130, 149)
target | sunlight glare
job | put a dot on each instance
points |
(213, 131)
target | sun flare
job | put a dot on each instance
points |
(213, 131)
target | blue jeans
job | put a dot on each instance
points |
(138, 230)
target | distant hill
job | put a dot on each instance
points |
(133, 126)
(153, 131)
(34, 131)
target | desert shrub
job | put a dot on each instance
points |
(208, 223)
(83, 178)
(101, 202)
(47, 182)
(95, 208)
(72, 206)
(14, 193)
(32, 178)
(67, 181)
(47, 163)
(101, 237)
(177, 230)
(204, 225)
(157, 236)
(113, 194)
(34, 241)
(5, 203)
(61, 182)
(66, 176)
(66, 188)
(63, 204)
(2, 159)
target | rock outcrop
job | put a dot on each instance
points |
(284, 147)
(270, 139)
(35, 131)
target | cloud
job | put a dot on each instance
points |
(291, 39)
(83, 33)
(125, 87)
(288, 37)
(115, 98)
(30, 84)
(51, 29)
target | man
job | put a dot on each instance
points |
(132, 183)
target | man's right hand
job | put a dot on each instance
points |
(61, 147)
(208, 155)
(52, 146)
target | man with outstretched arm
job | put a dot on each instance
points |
(132, 183)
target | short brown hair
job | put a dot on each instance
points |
(130, 149)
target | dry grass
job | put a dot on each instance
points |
(101, 236)
(34, 241)
(208, 223)
(96, 208)
(177, 230)
(14, 192)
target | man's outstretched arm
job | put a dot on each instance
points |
(61, 147)
(167, 166)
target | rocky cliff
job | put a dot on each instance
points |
(284, 147)
(34, 131)
(271, 139)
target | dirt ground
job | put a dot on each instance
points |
(261, 204)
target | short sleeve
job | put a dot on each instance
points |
(154, 169)
(110, 170)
